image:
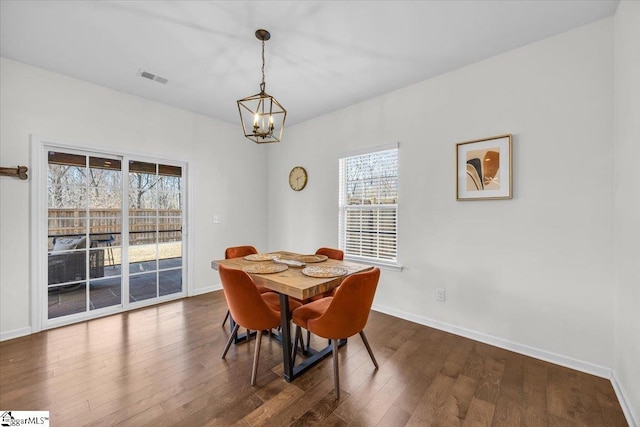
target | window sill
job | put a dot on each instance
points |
(390, 266)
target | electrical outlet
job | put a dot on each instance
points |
(216, 219)
(440, 295)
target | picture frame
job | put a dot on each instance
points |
(484, 169)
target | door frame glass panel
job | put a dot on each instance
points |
(113, 250)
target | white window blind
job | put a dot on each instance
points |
(368, 223)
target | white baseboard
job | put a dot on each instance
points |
(632, 419)
(558, 359)
(16, 333)
(200, 291)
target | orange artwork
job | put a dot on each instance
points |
(482, 169)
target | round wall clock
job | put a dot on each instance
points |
(297, 178)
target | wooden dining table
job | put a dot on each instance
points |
(293, 283)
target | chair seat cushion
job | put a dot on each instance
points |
(273, 300)
(263, 289)
(330, 293)
(310, 311)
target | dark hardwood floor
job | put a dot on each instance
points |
(162, 366)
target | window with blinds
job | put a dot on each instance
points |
(368, 223)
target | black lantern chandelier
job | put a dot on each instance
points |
(261, 115)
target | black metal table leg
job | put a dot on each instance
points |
(285, 315)
(292, 372)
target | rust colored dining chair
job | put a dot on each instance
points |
(237, 252)
(331, 253)
(249, 308)
(341, 316)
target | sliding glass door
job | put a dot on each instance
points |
(114, 234)
(155, 230)
(84, 218)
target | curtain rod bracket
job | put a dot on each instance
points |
(19, 172)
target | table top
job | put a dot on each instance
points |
(291, 281)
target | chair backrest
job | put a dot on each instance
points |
(331, 253)
(348, 312)
(238, 251)
(246, 305)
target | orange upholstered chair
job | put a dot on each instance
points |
(331, 253)
(237, 252)
(249, 308)
(342, 315)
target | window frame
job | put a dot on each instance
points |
(391, 264)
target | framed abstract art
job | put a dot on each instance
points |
(483, 169)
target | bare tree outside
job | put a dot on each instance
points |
(88, 190)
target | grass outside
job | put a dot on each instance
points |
(139, 253)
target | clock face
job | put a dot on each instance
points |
(297, 178)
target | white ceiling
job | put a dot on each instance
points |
(322, 56)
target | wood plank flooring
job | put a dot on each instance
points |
(161, 366)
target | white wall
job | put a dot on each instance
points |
(228, 172)
(627, 203)
(533, 273)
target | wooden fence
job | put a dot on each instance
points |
(143, 224)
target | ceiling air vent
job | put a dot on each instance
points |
(152, 76)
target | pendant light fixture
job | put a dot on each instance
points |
(262, 117)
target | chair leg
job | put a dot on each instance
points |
(301, 342)
(336, 374)
(366, 344)
(226, 316)
(233, 334)
(308, 341)
(110, 254)
(256, 357)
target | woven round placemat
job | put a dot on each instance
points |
(311, 258)
(261, 257)
(324, 271)
(264, 268)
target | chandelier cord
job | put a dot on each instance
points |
(262, 84)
